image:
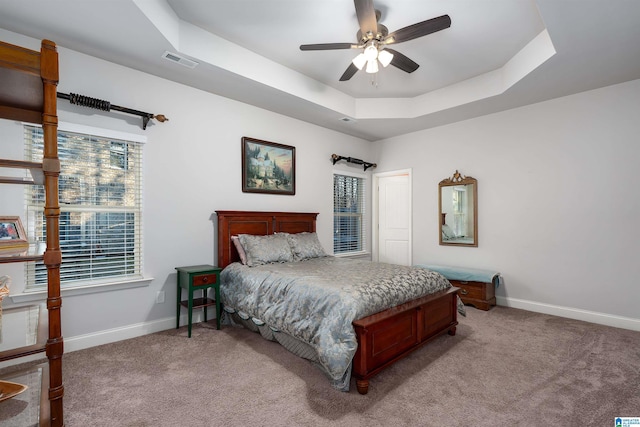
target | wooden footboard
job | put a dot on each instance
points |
(388, 336)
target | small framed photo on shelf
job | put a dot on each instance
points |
(12, 235)
(268, 167)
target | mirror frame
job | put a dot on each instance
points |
(459, 179)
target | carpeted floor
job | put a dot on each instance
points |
(503, 367)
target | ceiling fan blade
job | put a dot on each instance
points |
(418, 30)
(366, 16)
(349, 72)
(402, 62)
(328, 46)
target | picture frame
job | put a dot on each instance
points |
(12, 234)
(268, 167)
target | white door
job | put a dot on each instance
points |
(394, 218)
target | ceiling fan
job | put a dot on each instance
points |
(374, 38)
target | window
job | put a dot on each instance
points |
(348, 214)
(100, 188)
(459, 209)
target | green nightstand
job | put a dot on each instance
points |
(198, 278)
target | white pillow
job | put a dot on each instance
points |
(240, 249)
(447, 233)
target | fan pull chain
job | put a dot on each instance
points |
(374, 80)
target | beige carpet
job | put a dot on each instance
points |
(503, 367)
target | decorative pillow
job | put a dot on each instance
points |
(265, 249)
(240, 249)
(447, 232)
(305, 246)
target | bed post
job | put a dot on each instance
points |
(454, 311)
(362, 386)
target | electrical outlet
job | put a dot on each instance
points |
(160, 297)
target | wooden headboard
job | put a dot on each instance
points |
(232, 223)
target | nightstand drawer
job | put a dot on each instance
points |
(205, 279)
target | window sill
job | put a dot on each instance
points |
(361, 254)
(81, 290)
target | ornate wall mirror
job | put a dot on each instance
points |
(458, 208)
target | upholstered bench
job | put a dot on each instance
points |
(477, 287)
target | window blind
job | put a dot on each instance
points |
(349, 222)
(100, 189)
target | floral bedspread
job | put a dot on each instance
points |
(316, 300)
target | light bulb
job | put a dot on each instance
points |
(370, 52)
(359, 61)
(372, 66)
(385, 57)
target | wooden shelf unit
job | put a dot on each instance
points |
(28, 93)
(40, 330)
(37, 174)
(39, 399)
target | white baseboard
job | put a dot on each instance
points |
(130, 331)
(107, 336)
(572, 313)
(136, 330)
(80, 342)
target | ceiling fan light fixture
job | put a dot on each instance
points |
(373, 37)
(385, 57)
(372, 66)
(359, 61)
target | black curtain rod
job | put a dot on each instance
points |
(100, 104)
(335, 158)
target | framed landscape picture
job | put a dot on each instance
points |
(268, 167)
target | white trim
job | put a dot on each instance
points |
(361, 254)
(572, 313)
(348, 173)
(105, 133)
(367, 182)
(375, 254)
(41, 295)
(107, 336)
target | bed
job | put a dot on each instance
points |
(380, 338)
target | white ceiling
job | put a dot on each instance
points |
(497, 54)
